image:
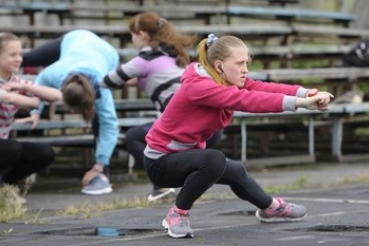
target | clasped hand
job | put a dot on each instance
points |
(12, 87)
(319, 101)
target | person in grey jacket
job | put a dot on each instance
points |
(156, 70)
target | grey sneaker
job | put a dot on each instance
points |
(98, 186)
(157, 194)
(177, 223)
(286, 212)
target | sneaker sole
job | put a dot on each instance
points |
(97, 192)
(279, 219)
(152, 198)
(173, 235)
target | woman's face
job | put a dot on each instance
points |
(235, 66)
(140, 39)
(10, 57)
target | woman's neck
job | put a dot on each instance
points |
(5, 76)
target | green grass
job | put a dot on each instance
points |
(89, 210)
(362, 131)
(361, 179)
(300, 183)
(12, 204)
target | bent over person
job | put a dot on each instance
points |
(212, 89)
(76, 63)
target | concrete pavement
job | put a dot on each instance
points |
(336, 196)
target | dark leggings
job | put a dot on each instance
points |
(197, 170)
(43, 55)
(19, 160)
(136, 143)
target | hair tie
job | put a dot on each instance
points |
(211, 39)
(161, 22)
(78, 80)
(75, 78)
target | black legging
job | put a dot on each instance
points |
(19, 160)
(135, 141)
(43, 55)
(197, 170)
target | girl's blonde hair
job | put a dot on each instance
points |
(220, 49)
(5, 37)
(161, 32)
(79, 95)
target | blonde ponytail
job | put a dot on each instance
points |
(203, 59)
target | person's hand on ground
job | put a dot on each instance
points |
(92, 173)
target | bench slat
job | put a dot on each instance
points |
(330, 30)
(289, 13)
(65, 124)
(70, 141)
(316, 73)
(42, 31)
(260, 51)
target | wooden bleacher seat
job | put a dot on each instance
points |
(268, 54)
(247, 31)
(76, 133)
(346, 73)
(290, 15)
(283, 2)
(341, 114)
(334, 79)
(342, 35)
(33, 7)
(296, 31)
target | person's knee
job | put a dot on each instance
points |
(237, 169)
(129, 136)
(134, 134)
(240, 170)
(216, 162)
(13, 148)
(47, 155)
(11, 153)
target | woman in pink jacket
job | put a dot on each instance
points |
(212, 89)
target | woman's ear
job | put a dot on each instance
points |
(218, 66)
(144, 35)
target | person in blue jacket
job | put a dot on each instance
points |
(76, 63)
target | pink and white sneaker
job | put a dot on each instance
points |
(286, 212)
(177, 223)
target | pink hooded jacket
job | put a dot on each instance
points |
(201, 107)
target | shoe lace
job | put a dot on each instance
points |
(285, 209)
(183, 217)
(184, 221)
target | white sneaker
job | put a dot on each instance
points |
(98, 186)
(157, 194)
